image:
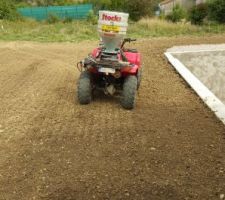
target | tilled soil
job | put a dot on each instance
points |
(171, 146)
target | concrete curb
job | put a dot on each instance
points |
(205, 94)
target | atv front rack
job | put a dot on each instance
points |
(96, 62)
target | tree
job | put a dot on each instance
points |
(47, 2)
(139, 8)
(8, 10)
(217, 10)
(136, 8)
(198, 13)
(99, 4)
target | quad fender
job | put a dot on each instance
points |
(130, 70)
(135, 59)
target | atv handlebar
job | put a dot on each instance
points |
(129, 40)
(125, 40)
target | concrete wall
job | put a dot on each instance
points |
(167, 7)
(200, 1)
(187, 4)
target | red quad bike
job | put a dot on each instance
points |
(111, 71)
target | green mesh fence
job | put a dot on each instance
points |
(63, 12)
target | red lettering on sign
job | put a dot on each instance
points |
(111, 18)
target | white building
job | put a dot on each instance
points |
(166, 6)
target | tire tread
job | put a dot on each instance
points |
(129, 92)
(84, 90)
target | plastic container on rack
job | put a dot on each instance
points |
(112, 27)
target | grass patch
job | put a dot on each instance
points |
(75, 31)
(161, 28)
(30, 30)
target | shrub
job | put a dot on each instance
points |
(53, 18)
(92, 18)
(177, 14)
(68, 20)
(139, 8)
(217, 10)
(162, 16)
(8, 10)
(198, 13)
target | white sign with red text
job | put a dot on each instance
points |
(113, 22)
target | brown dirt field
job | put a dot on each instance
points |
(170, 147)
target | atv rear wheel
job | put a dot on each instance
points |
(139, 77)
(129, 92)
(84, 89)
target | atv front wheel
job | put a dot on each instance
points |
(129, 92)
(84, 89)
